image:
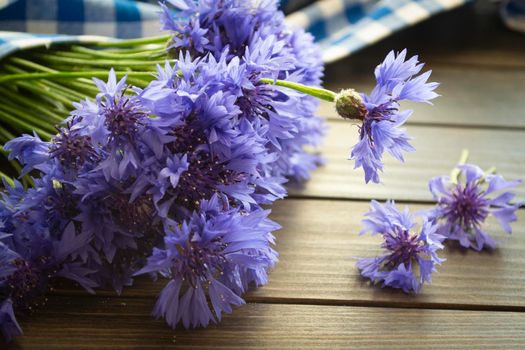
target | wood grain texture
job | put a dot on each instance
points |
(318, 247)
(119, 323)
(437, 152)
(319, 244)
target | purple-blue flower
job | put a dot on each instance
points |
(71, 148)
(30, 151)
(209, 260)
(175, 166)
(410, 251)
(35, 247)
(380, 132)
(8, 324)
(465, 203)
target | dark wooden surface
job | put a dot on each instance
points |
(315, 298)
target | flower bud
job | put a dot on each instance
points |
(350, 105)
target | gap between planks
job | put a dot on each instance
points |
(75, 292)
(467, 98)
(337, 119)
(127, 324)
(437, 152)
(362, 200)
(317, 266)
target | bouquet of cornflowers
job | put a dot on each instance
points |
(166, 173)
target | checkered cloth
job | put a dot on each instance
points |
(341, 27)
(513, 14)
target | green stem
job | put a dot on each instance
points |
(138, 82)
(150, 53)
(23, 126)
(134, 42)
(463, 158)
(26, 102)
(52, 90)
(29, 64)
(63, 54)
(88, 89)
(323, 94)
(5, 136)
(70, 75)
(45, 87)
(491, 170)
(128, 51)
(39, 89)
(7, 179)
(33, 121)
(60, 90)
(98, 63)
(454, 174)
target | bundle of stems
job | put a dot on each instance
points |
(39, 86)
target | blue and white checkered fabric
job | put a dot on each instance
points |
(114, 18)
(513, 14)
(341, 27)
(14, 41)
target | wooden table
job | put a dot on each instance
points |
(315, 298)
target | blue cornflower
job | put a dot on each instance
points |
(8, 324)
(112, 126)
(33, 250)
(110, 90)
(30, 151)
(175, 166)
(410, 255)
(71, 148)
(397, 80)
(465, 202)
(114, 119)
(210, 259)
(123, 230)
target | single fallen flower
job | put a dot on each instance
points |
(467, 198)
(410, 251)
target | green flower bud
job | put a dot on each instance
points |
(350, 105)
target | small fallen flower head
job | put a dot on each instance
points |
(465, 201)
(410, 255)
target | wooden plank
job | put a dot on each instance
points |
(437, 151)
(119, 323)
(319, 244)
(318, 247)
(474, 97)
